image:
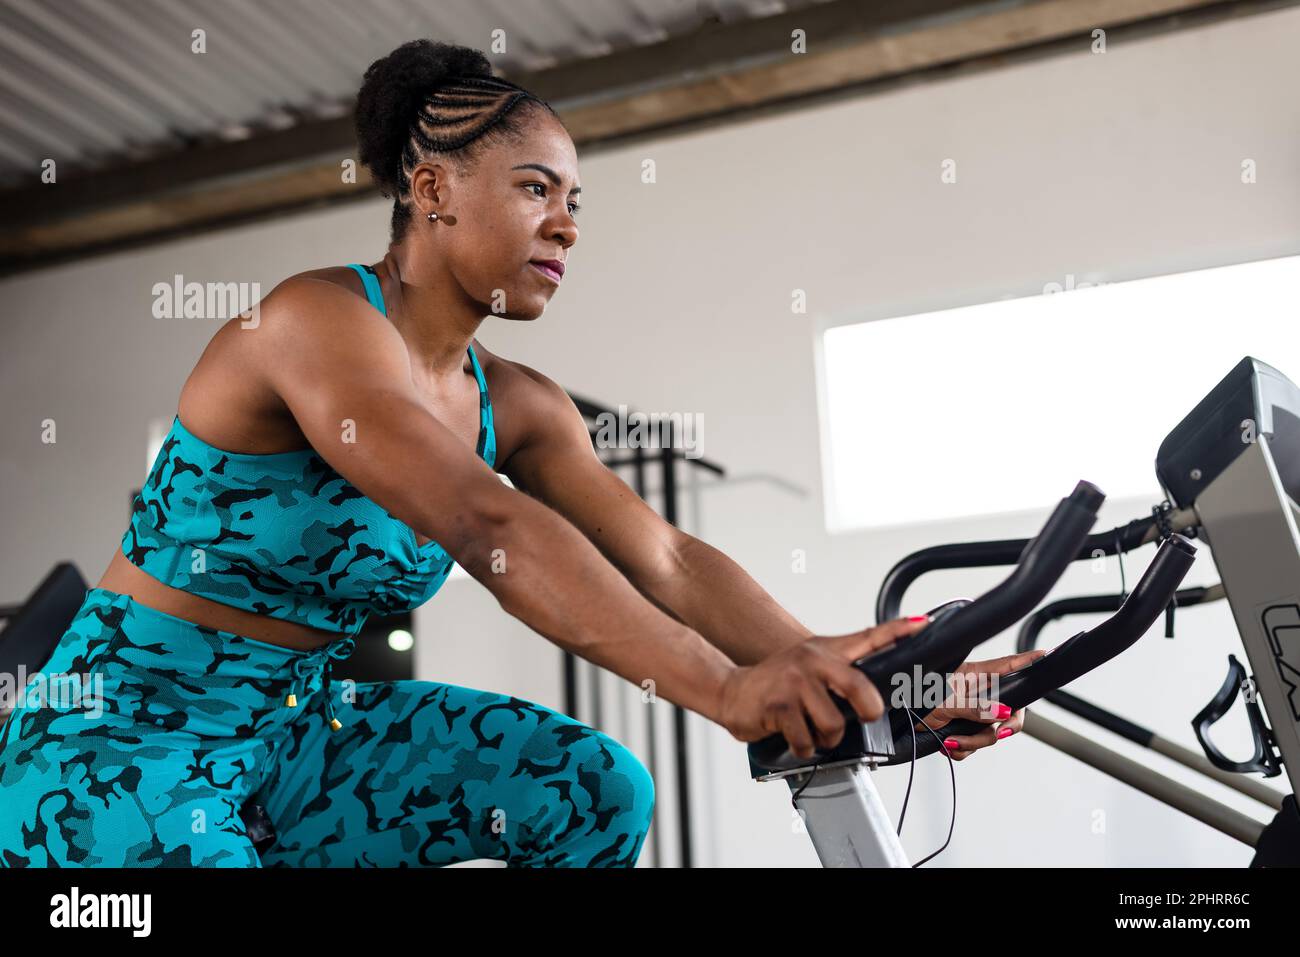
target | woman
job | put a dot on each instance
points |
(331, 460)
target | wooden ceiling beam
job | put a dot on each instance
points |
(713, 74)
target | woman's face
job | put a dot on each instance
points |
(509, 210)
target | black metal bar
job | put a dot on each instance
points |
(1027, 640)
(596, 699)
(668, 462)
(570, 679)
(652, 737)
(666, 458)
(1101, 717)
(986, 554)
(701, 462)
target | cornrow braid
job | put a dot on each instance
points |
(456, 115)
(428, 98)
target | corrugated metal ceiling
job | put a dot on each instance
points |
(93, 83)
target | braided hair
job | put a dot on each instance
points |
(428, 98)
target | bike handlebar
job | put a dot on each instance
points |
(1079, 654)
(1125, 538)
(950, 636)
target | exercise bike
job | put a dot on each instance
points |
(832, 790)
(1231, 473)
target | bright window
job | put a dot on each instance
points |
(1003, 406)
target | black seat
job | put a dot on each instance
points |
(36, 626)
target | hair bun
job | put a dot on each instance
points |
(392, 92)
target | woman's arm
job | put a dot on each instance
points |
(692, 581)
(726, 605)
(345, 377)
(689, 579)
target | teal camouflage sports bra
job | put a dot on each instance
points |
(281, 533)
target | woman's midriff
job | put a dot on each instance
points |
(127, 579)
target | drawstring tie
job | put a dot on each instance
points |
(321, 660)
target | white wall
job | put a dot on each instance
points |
(678, 299)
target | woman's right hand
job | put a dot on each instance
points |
(788, 691)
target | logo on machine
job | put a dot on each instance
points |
(1282, 629)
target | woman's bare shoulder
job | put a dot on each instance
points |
(310, 301)
(301, 284)
(341, 275)
(510, 378)
(230, 396)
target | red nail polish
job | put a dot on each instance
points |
(951, 744)
(919, 618)
(1003, 712)
(1005, 733)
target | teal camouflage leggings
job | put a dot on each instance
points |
(143, 736)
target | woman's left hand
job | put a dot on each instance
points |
(1001, 721)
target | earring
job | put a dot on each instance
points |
(432, 217)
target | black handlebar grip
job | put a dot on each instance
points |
(940, 648)
(1077, 655)
(948, 639)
